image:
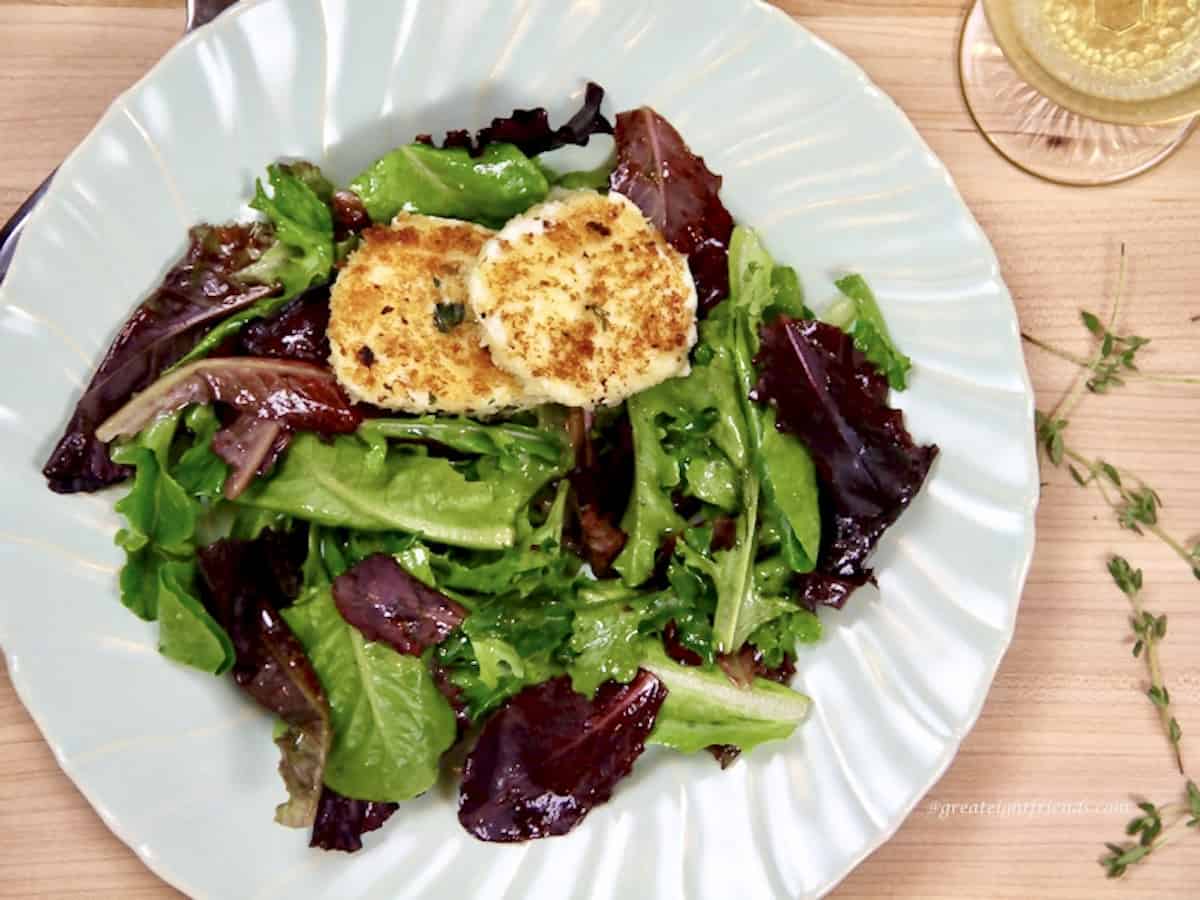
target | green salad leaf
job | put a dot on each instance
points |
(650, 513)
(509, 441)
(791, 480)
(605, 637)
(702, 436)
(703, 707)
(489, 189)
(186, 632)
(346, 483)
(779, 637)
(199, 470)
(391, 725)
(302, 255)
(164, 510)
(858, 314)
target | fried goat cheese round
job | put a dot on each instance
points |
(584, 301)
(401, 333)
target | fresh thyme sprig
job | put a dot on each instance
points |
(1156, 827)
(1149, 630)
(1115, 358)
(1135, 505)
(1118, 359)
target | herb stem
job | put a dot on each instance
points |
(1094, 468)
(1156, 677)
(1180, 818)
(1068, 403)
(1156, 377)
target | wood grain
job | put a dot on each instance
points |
(1066, 721)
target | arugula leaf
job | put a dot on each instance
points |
(789, 295)
(688, 436)
(341, 484)
(303, 253)
(504, 439)
(489, 189)
(390, 722)
(777, 639)
(742, 603)
(487, 670)
(199, 471)
(301, 257)
(605, 638)
(858, 314)
(650, 513)
(704, 708)
(536, 562)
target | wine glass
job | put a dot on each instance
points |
(1083, 92)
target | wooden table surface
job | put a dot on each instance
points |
(1067, 725)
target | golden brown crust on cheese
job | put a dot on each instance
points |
(386, 345)
(584, 301)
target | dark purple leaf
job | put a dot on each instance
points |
(387, 604)
(724, 533)
(820, 588)
(830, 397)
(676, 649)
(349, 214)
(341, 822)
(201, 288)
(676, 191)
(297, 395)
(530, 131)
(603, 540)
(747, 664)
(549, 755)
(725, 754)
(454, 696)
(250, 446)
(295, 332)
(247, 582)
(602, 481)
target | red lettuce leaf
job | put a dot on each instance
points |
(549, 755)
(272, 397)
(676, 649)
(601, 482)
(199, 289)
(725, 754)
(830, 397)
(742, 668)
(387, 604)
(297, 395)
(677, 192)
(350, 214)
(247, 582)
(250, 446)
(530, 131)
(747, 664)
(454, 695)
(295, 332)
(341, 822)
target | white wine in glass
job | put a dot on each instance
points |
(1083, 91)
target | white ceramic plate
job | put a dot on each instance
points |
(181, 765)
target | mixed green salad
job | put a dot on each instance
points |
(549, 591)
